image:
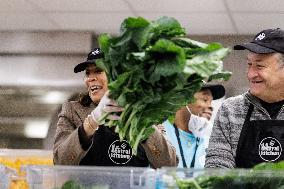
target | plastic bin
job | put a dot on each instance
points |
(5, 175)
(90, 177)
(169, 178)
(16, 159)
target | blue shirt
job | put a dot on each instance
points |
(189, 144)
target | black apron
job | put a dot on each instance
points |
(107, 150)
(260, 141)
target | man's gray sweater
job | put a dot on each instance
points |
(227, 128)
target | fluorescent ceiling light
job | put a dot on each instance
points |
(36, 129)
(53, 97)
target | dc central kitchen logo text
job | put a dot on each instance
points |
(120, 152)
(270, 149)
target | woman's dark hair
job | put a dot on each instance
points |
(85, 99)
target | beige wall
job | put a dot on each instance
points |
(48, 58)
(34, 64)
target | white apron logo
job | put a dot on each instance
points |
(120, 152)
(270, 149)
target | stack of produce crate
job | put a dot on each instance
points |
(17, 159)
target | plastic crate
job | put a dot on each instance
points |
(170, 178)
(5, 175)
(91, 177)
(15, 158)
(18, 158)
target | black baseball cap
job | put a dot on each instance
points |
(92, 56)
(217, 90)
(266, 41)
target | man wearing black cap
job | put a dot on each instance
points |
(249, 129)
(191, 129)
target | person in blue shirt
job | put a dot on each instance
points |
(190, 132)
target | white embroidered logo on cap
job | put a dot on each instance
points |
(260, 37)
(95, 52)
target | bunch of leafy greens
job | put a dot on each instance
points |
(153, 70)
(262, 176)
(71, 184)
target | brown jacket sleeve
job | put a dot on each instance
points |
(67, 149)
(160, 152)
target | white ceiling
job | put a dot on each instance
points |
(199, 17)
(33, 64)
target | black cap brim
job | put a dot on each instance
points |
(82, 66)
(218, 91)
(253, 47)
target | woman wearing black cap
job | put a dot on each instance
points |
(81, 139)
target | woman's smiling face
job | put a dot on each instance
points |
(96, 82)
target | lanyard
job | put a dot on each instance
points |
(193, 159)
(180, 147)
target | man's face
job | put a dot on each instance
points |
(202, 106)
(265, 76)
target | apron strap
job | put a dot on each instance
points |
(243, 132)
(249, 113)
(180, 147)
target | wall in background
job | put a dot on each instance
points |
(36, 77)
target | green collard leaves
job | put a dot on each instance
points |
(104, 41)
(222, 75)
(207, 61)
(154, 70)
(270, 166)
(71, 184)
(189, 43)
(262, 176)
(166, 27)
